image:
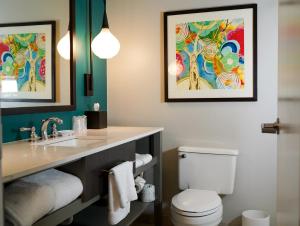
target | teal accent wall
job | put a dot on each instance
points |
(11, 124)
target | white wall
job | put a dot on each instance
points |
(135, 97)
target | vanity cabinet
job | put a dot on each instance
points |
(91, 165)
(153, 175)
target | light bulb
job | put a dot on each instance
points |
(9, 86)
(63, 46)
(105, 45)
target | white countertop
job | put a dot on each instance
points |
(22, 158)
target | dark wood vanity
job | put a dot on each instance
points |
(93, 169)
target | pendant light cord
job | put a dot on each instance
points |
(105, 20)
(91, 36)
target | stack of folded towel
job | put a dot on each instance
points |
(121, 191)
(30, 198)
(142, 159)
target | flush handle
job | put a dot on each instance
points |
(271, 127)
(183, 156)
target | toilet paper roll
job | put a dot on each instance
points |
(139, 184)
(148, 193)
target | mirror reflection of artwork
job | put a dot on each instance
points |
(26, 60)
(210, 54)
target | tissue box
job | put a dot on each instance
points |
(96, 119)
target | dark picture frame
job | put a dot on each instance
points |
(35, 51)
(210, 54)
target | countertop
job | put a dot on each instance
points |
(21, 158)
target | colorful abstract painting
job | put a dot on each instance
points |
(210, 54)
(206, 57)
(24, 60)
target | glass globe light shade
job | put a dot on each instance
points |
(105, 45)
(63, 46)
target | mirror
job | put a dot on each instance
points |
(34, 77)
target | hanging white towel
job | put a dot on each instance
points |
(142, 159)
(121, 192)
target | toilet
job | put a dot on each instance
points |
(204, 173)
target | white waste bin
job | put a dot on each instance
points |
(255, 218)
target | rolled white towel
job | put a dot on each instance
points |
(142, 159)
(30, 198)
(66, 186)
(26, 202)
(138, 163)
(147, 158)
(139, 184)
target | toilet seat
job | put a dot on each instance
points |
(213, 219)
(192, 214)
(193, 202)
(194, 207)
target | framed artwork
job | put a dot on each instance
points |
(27, 62)
(211, 54)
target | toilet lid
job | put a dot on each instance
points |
(192, 200)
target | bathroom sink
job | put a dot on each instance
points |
(76, 142)
(70, 141)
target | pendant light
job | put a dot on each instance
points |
(88, 77)
(63, 46)
(105, 45)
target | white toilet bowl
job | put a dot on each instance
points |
(194, 207)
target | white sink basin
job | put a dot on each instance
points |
(75, 143)
(70, 141)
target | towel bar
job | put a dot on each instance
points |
(107, 171)
(110, 172)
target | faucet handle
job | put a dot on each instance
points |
(59, 121)
(33, 135)
(24, 129)
(54, 130)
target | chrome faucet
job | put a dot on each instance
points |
(45, 126)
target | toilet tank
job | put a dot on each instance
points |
(207, 169)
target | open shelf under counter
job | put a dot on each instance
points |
(66, 212)
(145, 167)
(96, 215)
